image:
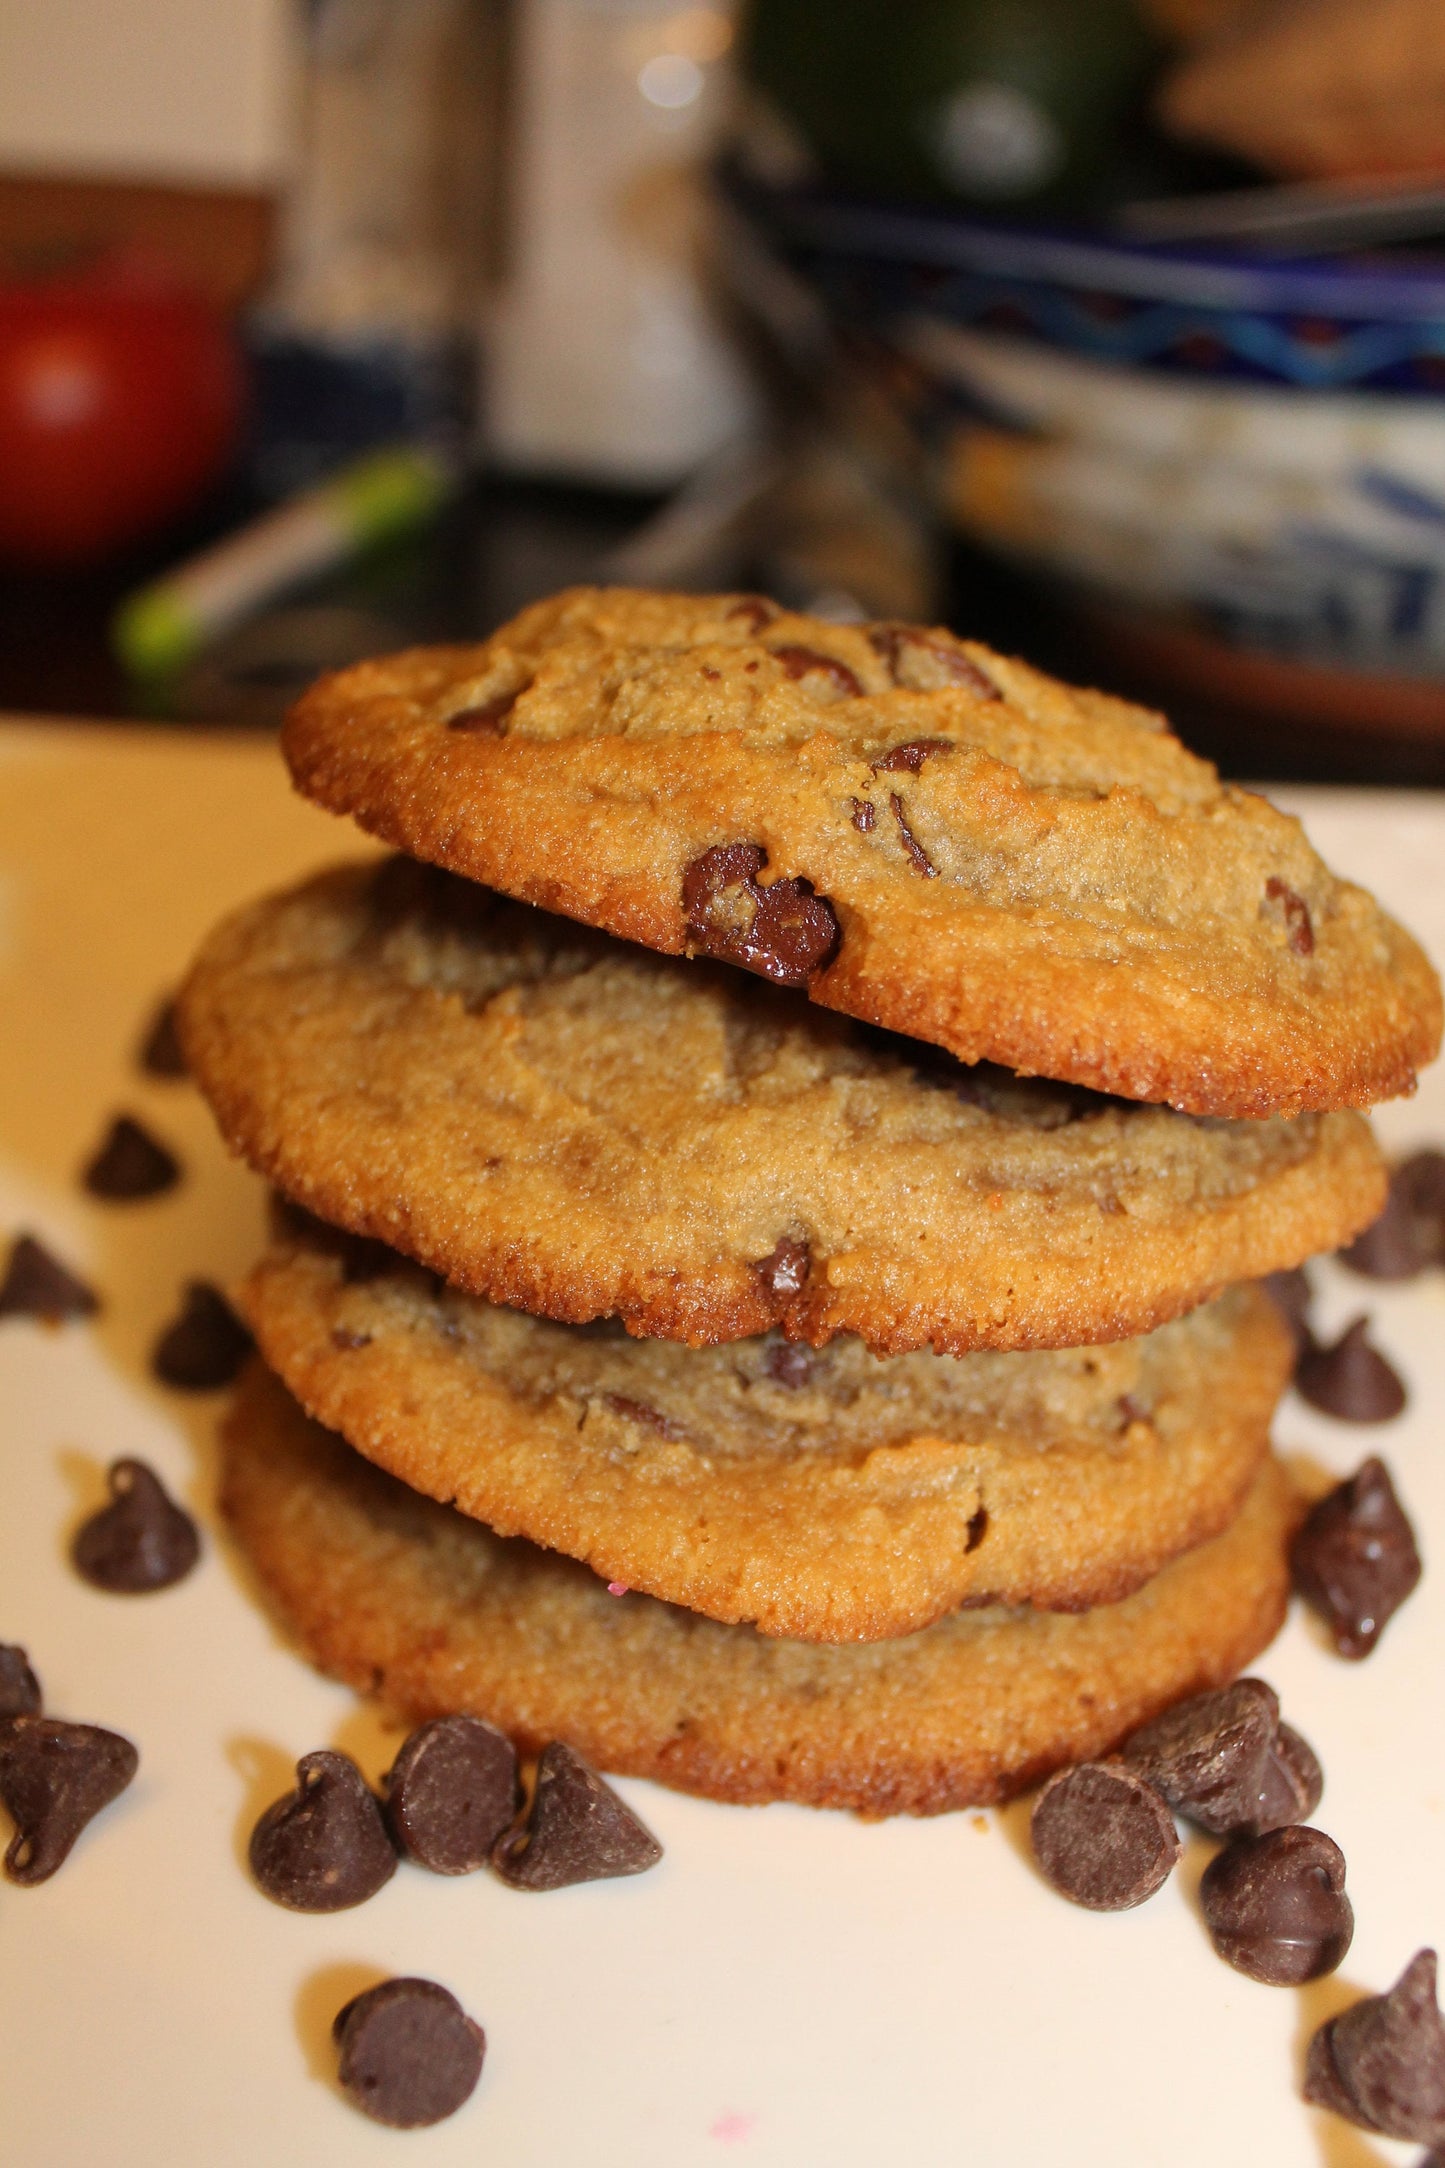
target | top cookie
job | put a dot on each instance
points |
(922, 833)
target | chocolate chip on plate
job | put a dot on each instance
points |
(37, 1285)
(780, 929)
(19, 1687)
(142, 1540)
(1350, 1380)
(130, 1163)
(578, 1830)
(1103, 1836)
(1276, 1908)
(1354, 1558)
(160, 1048)
(1291, 1294)
(323, 1847)
(1226, 1761)
(1381, 2063)
(452, 1791)
(54, 1778)
(1410, 1232)
(410, 2055)
(205, 1345)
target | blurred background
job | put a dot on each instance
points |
(1109, 331)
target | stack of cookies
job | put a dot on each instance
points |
(771, 1185)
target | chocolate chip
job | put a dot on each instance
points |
(754, 611)
(1410, 1233)
(410, 2055)
(908, 759)
(1291, 1294)
(323, 1847)
(1350, 1380)
(141, 1540)
(1225, 1760)
(790, 1364)
(204, 1346)
(54, 1778)
(924, 661)
(1103, 1836)
(1381, 2063)
(578, 1830)
(863, 816)
(785, 1270)
(782, 931)
(637, 1411)
(19, 1687)
(801, 662)
(347, 1341)
(36, 1285)
(488, 716)
(452, 1791)
(130, 1163)
(160, 1049)
(1354, 1559)
(917, 854)
(1276, 1908)
(1296, 913)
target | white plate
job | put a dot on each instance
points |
(789, 1989)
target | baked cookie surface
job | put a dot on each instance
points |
(827, 1497)
(925, 834)
(432, 1612)
(556, 1120)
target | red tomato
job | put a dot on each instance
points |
(120, 400)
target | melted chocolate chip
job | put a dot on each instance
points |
(452, 1791)
(323, 1847)
(801, 662)
(1103, 1836)
(54, 1778)
(863, 815)
(924, 661)
(782, 930)
(409, 2054)
(160, 1049)
(19, 1687)
(488, 716)
(1296, 912)
(637, 1411)
(918, 856)
(754, 611)
(141, 1540)
(130, 1163)
(1276, 1908)
(204, 1346)
(908, 759)
(1225, 1760)
(1350, 1380)
(1381, 2063)
(37, 1285)
(785, 1270)
(1354, 1559)
(790, 1364)
(1291, 1294)
(578, 1830)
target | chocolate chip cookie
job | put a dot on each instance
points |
(911, 828)
(431, 1611)
(573, 1125)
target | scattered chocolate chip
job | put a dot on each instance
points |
(452, 1791)
(908, 759)
(488, 717)
(1296, 914)
(785, 1270)
(1350, 1380)
(1276, 1908)
(36, 1285)
(1410, 1233)
(204, 1346)
(54, 1778)
(637, 1411)
(925, 661)
(19, 1687)
(1354, 1559)
(1103, 1836)
(323, 1847)
(1291, 1294)
(782, 931)
(130, 1163)
(347, 1341)
(160, 1048)
(918, 856)
(410, 2055)
(141, 1540)
(1381, 2063)
(863, 816)
(801, 662)
(1226, 1761)
(754, 611)
(578, 1830)
(790, 1364)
